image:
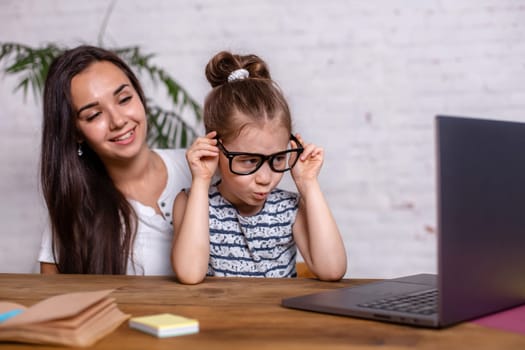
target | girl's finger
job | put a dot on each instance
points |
(211, 134)
(308, 150)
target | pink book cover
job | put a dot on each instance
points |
(512, 320)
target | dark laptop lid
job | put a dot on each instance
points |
(481, 231)
(481, 216)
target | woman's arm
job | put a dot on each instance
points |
(191, 242)
(48, 268)
(46, 257)
(315, 230)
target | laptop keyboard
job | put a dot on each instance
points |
(422, 303)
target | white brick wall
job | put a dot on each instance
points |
(364, 80)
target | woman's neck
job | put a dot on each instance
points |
(133, 175)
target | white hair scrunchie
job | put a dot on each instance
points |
(238, 74)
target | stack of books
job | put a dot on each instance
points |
(73, 319)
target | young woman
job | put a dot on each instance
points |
(243, 225)
(109, 195)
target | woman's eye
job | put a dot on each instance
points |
(125, 100)
(92, 116)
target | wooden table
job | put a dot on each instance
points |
(244, 313)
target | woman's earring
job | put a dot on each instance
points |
(79, 150)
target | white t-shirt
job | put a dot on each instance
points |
(152, 248)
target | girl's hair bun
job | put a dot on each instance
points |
(223, 64)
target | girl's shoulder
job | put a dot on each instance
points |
(278, 194)
(280, 200)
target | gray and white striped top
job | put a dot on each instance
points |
(261, 245)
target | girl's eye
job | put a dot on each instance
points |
(246, 160)
(251, 160)
(280, 158)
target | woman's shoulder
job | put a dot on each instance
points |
(172, 155)
(179, 175)
(175, 160)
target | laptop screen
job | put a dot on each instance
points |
(481, 215)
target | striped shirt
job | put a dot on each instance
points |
(261, 245)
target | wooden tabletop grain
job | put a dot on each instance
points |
(244, 313)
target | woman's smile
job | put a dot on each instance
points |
(126, 138)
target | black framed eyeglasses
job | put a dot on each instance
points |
(242, 163)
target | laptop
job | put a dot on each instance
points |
(481, 235)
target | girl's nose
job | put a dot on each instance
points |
(264, 174)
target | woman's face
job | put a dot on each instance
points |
(110, 116)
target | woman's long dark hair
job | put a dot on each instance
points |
(92, 223)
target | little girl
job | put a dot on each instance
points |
(243, 225)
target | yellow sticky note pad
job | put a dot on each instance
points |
(165, 325)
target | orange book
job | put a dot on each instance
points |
(73, 319)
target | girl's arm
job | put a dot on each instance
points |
(315, 230)
(191, 243)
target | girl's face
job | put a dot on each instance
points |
(110, 116)
(249, 192)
